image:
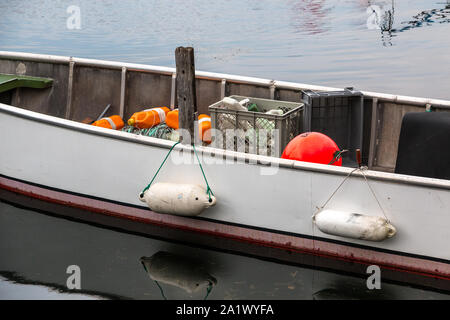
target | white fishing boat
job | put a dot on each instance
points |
(49, 154)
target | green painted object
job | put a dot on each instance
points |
(253, 107)
(11, 81)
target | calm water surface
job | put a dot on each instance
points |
(324, 42)
(36, 249)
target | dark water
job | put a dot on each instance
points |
(324, 42)
(36, 249)
(311, 41)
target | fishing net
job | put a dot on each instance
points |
(161, 131)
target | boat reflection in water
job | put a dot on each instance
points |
(178, 271)
(112, 268)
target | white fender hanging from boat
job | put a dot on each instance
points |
(177, 199)
(354, 225)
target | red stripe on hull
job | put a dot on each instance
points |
(392, 261)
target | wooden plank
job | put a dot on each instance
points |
(186, 92)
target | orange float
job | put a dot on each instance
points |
(114, 122)
(312, 147)
(148, 118)
(204, 127)
(172, 119)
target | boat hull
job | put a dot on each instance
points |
(261, 200)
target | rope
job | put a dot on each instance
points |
(164, 161)
(208, 190)
(340, 185)
(343, 181)
(161, 131)
(337, 155)
(373, 192)
(208, 290)
(162, 292)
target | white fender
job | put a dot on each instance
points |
(354, 225)
(178, 199)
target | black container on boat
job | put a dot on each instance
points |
(423, 148)
(338, 114)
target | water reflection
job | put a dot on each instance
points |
(427, 18)
(310, 16)
(112, 267)
(340, 290)
(16, 287)
(179, 271)
(383, 13)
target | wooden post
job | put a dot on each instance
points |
(186, 94)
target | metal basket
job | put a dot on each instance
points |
(256, 132)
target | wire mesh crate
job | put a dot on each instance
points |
(256, 132)
(338, 114)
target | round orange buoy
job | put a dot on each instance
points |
(312, 147)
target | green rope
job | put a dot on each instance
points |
(208, 290)
(208, 190)
(151, 132)
(161, 131)
(164, 161)
(337, 155)
(160, 289)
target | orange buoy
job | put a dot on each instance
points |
(114, 122)
(172, 119)
(312, 147)
(204, 127)
(148, 118)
